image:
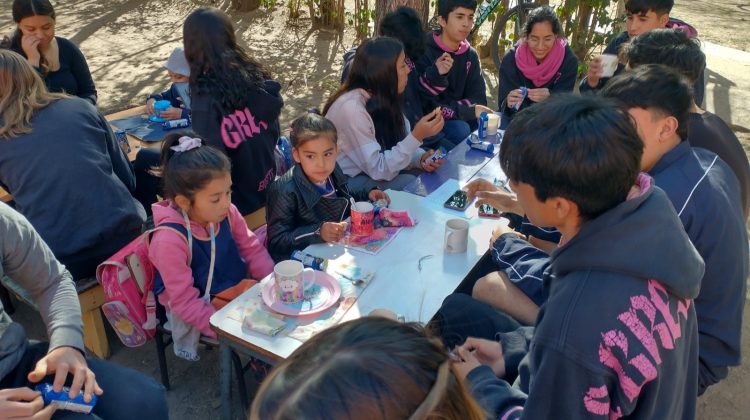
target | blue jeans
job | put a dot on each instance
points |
(128, 394)
(454, 132)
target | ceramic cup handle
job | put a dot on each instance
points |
(308, 278)
(448, 245)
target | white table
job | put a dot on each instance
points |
(398, 284)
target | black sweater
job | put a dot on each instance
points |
(73, 76)
(512, 78)
(457, 91)
(248, 136)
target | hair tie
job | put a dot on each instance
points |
(187, 143)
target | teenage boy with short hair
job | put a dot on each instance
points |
(617, 335)
(706, 195)
(642, 16)
(674, 49)
(704, 192)
(452, 75)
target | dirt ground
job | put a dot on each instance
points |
(127, 41)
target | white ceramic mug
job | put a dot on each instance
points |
(456, 236)
(292, 279)
(609, 64)
(493, 122)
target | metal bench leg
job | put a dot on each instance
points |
(225, 381)
(161, 348)
(242, 386)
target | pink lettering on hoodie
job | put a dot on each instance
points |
(169, 254)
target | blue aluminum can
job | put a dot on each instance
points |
(483, 121)
(172, 124)
(310, 261)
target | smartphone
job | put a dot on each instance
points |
(458, 201)
(486, 210)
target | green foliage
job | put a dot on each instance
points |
(587, 25)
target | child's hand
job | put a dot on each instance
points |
(465, 361)
(150, 106)
(376, 195)
(486, 352)
(429, 125)
(594, 72)
(477, 185)
(500, 230)
(171, 113)
(429, 165)
(23, 403)
(332, 232)
(514, 98)
(444, 63)
(538, 95)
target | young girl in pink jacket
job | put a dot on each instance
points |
(206, 243)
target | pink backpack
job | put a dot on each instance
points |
(127, 279)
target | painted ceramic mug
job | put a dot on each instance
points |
(292, 279)
(363, 218)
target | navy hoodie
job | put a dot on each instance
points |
(613, 48)
(705, 193)
(710, 132)
(457, 91)
(248, 136)
(617, 336)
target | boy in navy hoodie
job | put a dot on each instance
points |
(642, 16)
(704, 192)
(676, 50)
(706, 195)
(617, 335)
(451, 73)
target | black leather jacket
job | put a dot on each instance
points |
(296, 210)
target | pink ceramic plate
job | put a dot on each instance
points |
(323, 294)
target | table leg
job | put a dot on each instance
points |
(225, 381)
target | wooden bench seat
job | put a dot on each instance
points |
(91, 298)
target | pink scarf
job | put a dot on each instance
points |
(540, 74)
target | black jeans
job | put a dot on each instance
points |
(147, 185)
(128, 394)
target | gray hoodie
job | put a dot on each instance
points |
(26, 259)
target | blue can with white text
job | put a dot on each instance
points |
(483, 121)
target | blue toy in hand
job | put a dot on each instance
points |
(64, 402)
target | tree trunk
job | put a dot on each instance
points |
(620, 11)
(244, 5)
(384, 6)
